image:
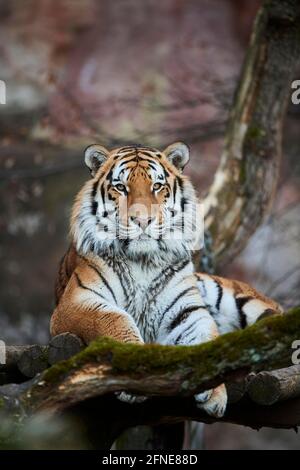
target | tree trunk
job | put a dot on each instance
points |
(245, 182)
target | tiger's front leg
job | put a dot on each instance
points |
(89, 307)
(89, 311)
(188, 322)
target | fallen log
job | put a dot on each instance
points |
(63, 347)
(237, 389)
(33, 360)
(12, 356)
(267, 388)
(30, 360)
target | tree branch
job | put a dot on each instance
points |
(29, 360)
(267, 388)
(108, 366)
(246, 179)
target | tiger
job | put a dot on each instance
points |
(128, 273)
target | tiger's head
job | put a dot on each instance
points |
(137, 202)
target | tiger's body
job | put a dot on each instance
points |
(139, 286)
(233, 304)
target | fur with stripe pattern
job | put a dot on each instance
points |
(139, 286)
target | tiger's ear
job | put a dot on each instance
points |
(94, 156)
(178, 154)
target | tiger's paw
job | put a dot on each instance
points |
(203, 396)
(216, 404)
(129, 398)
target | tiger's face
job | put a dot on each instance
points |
(137, 201)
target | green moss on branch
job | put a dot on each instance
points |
(267, 343)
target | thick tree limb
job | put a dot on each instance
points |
(12, 356)
(267, 388)
(63, 346)
(107, 366)
(29, 360)
(33, 360)
(246, 179)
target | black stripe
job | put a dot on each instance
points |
(118, 269)
(183, 315)
(80, 284)
(153, 166)
(119, 165)
(240, 302)
(182, 200)
(113, 167)
(166, 173)
(94, 202)
(126, 148)
(129, 153)
(146, 159)
(125, 292)
(174, 190)
(103, 280)
(163, 277)
(61, 266)
(180, 183)
(185, 332)
(148, 154)
(94, 188)
(220, 294)
(126, 159)
(94, 207)
(203, 285)
(97, 306)
(181, 294)
(103, 195)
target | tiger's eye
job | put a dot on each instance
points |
(157, 186)
(120, 187)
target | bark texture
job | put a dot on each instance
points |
(267, 388)
(245, 182)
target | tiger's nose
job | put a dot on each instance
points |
(142, 222)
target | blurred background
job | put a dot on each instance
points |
(115, 72)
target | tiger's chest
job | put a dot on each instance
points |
(145, 293)
(145, 303)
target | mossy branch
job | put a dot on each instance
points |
(107, 366)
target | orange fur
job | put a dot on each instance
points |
(84, 318)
